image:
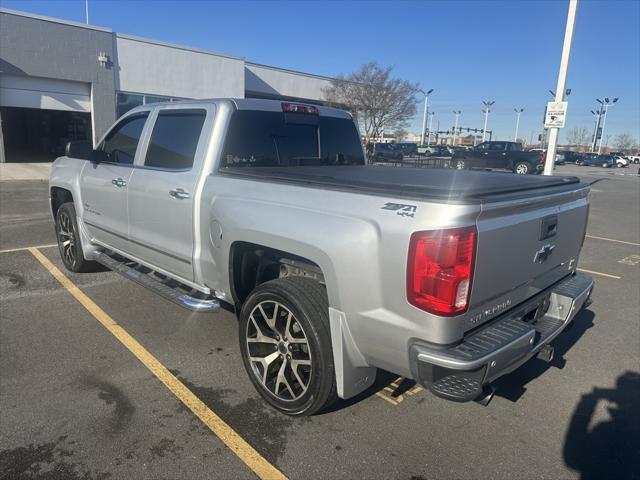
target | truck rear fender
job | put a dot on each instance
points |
(240, 221)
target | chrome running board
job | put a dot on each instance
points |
(167, 288)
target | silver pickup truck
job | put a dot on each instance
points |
(334, 267)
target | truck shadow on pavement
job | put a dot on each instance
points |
(513, 385)
(610, 448)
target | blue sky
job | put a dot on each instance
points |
(467, 51)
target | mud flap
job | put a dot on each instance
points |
(353, 374)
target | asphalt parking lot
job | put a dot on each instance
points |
(76, 403)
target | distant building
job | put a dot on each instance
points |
(62, 80)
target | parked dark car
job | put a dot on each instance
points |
(570, 156)
(408, 149)
(504, 155)
(593, 159)
(387, 151)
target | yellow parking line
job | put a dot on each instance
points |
(613, 240)
(256, 462)
(384, 397)
(20, 249)
(599, 273)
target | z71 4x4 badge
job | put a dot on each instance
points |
(401, 209)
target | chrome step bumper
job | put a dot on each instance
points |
(126, 269)
(502, 346)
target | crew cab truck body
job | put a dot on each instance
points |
(335, 268)
(502, 155)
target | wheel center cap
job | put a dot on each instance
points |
(282, 347)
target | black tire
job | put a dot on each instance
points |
(307, 301)
(522, 168)
(68, 237)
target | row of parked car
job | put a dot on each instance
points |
(609, 160)
(509, 155)
(397, 151)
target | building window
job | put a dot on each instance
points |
(127, 101)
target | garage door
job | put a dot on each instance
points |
(44, 93)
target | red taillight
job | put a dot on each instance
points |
(298, 108)
(439, 270)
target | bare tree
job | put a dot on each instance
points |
(578, 136)
(624, 141)
(376, 99)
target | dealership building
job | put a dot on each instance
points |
(63, 80)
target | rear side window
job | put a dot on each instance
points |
(120, 145)
(270, 139)
(174, 139)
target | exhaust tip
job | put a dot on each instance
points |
(486, 396)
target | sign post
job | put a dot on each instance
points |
(560, 91)
(555, 115)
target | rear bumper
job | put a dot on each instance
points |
(460, 372)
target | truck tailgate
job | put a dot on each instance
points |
(525, 246)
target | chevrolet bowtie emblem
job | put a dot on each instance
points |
(544, 253)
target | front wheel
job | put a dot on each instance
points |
(605, 165)
(68, 236)
(286, 345)
(522, 168)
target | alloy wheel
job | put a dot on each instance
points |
(66, 238)
(521, 169)
(278, 351)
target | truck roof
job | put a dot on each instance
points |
(250, 104)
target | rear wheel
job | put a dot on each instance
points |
(68, 237)
(522, 168)
(460, 165)
(286, 345)
(605, 165)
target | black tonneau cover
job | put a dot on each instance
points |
(440, 184)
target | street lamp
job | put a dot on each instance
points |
(596, 120)
(455, 128)
(486, 110)
(431, 114)
(518, 112)
(567, 92)
(604, 104)
(424, 114)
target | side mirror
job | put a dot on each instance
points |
(78, 149)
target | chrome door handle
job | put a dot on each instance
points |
(119, 182)
(179, 193)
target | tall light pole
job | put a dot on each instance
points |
(596, 121)
(560, 86)
(424, 113)
(86, 11)
(431, 114)
(605, 103)
(518, 112)
(486, 110)
(455, 128)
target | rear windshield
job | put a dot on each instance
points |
(274, 139)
